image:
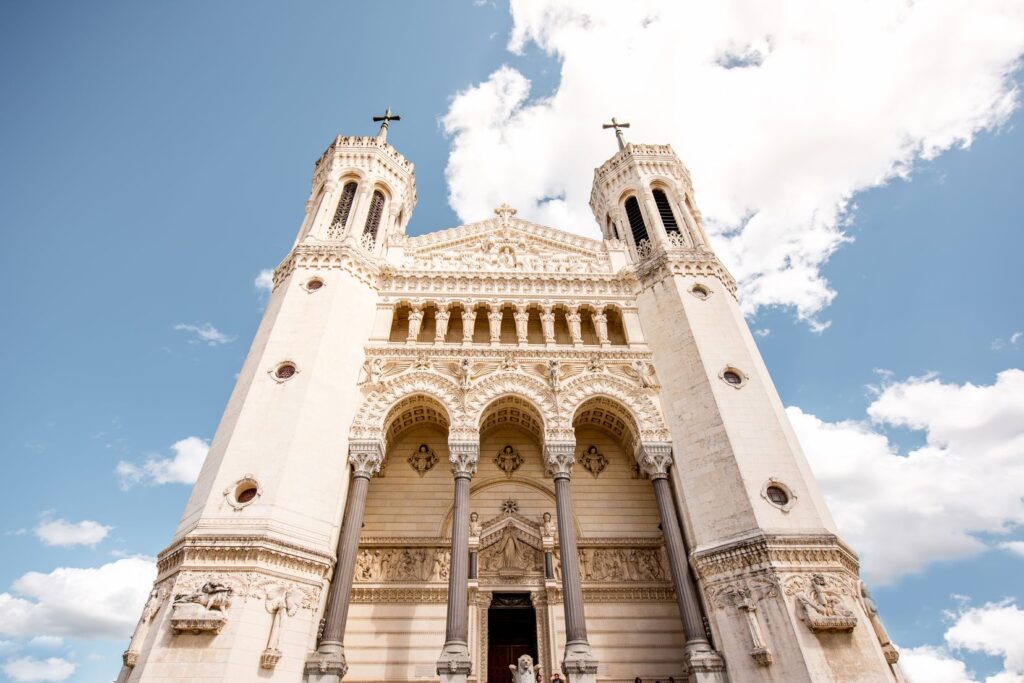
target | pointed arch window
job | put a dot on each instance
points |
(668, 219)
(348, 194)
(373, 217)
(636, 221)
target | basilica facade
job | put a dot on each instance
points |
(448, 451)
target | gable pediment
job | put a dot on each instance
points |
(506, 244)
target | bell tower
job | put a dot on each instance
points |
(779, 589)
(243, 588)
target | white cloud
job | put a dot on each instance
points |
(264, 282)
(96, 602)
(995, 629)
(61, 532)
(206, 334)
(1016, 547)
(46, 641)
(824, 103)
(1011, 343)
(181, 468)
(27, 669)
(937, 502)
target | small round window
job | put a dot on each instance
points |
(777, 495)
(314, 284)
(243, 492)
(246, 493)
(285, 371)
(700, 291)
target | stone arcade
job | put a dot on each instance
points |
(449, 451)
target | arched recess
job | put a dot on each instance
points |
(414, 411)
(492, 387)
(370, 421)
(610, 416)
(634, 400)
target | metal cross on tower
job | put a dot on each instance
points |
(388, 117)
(618, 131)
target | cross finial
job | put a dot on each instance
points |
(505, 213)
(618, 131)
(388, 117)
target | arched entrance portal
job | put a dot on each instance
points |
(512, 633)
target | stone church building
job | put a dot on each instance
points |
(447, 451)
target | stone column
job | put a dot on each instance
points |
(455, 664)
(522, 324)
(706, 666)
(441, 322)
(468, 321)
(328, 663)
(415, 318)
(579, 662)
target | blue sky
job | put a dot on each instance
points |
(155, 157)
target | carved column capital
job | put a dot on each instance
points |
(365, 458)
(463, 456)
(655, 459)
(559, 456)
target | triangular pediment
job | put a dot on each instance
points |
(506, 244)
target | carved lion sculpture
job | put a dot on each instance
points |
(524, 671)
(212, 596)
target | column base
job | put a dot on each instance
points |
(579, 663)
(327, 665)
(704, 665)
(455, 664)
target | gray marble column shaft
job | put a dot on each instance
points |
(572, 590)
(457, 629)
(686, 592)
(344, 570)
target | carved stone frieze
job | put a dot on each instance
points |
(821, 601)
(402, 565)
(243, 551)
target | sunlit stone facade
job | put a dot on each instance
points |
(446, 451)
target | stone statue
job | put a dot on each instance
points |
(892, 655)
(201, 610)
(213, 595)
(465, 373)
(554, 369)
(823, 607)
(374, 370)
(547, 526)
(524, 671)
(475, 527)
(643, 374)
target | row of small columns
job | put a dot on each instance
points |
(521, 317)
(328, 665)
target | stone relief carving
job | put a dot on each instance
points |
(423, 459)
(508, 460)
(621, 564)
(744, 596)
(593, 460)
(821, 603)
(510, 553)
(281, 600)
(402, 565)
(201, 610)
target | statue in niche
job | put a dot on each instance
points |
(593, 460)
(423, 460)
(554, 372)
(508, 460)
(510, 554)
(475, 527)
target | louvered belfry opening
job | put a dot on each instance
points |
(636, 221)
(373, 217)
(348, 193)
(668, 219)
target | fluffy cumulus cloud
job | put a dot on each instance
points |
(181, 468)
(783, 110)
(61, 532)
(264, 281)
(27, 669)
(97, 602)
(995, 629)
(205, 334)
(939, 501)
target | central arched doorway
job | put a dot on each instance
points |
(512, 633)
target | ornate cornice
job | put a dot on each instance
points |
(347, 255)
(552, 237)
(203, 552)
(407, 595)
(774, 552)
(619, 594)
(666, 260)
(532, 286)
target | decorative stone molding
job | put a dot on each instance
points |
(202, 610)
(593, 460)
(820, 601)
(655, 459)
(661, 261)
(806, 552)
(463, 456)
(365, 457)
(402, 565)
(199, 551)
(423, 459)
(559, 458)
(348, 256)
